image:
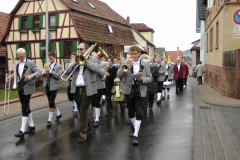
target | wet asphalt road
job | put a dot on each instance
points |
(166, 134)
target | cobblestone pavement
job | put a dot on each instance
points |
(213, 136)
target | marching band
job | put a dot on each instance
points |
(134, 81)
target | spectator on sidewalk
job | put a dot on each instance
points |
(200, 69)
(186, 73)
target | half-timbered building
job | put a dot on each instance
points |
(70, 22)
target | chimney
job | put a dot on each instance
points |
(128, 19)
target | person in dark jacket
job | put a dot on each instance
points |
(152, 88)
(112, 74)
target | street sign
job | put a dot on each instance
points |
(50, 36)
(42, 48)
(236, 16)
(236, 36)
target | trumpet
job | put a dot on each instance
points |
(126, 67)
(80, 60)
(44, 71)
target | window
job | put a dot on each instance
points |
(36, 21)
(210, 3)
(26, 46)
(66, 48)
(217, 34)
(52, 20)
(90, 4)
(110, 29)
(24, 23)
(211, 39)
(75, 1)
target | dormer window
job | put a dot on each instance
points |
(110, 29)
(75, 1)
(91, 5)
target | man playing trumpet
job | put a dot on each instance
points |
(135, 89)
(52, 74)
(27, 68)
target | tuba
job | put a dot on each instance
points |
(80, 60)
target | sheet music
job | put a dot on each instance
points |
(139, 74)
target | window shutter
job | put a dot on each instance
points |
(61, 49)
(17, 46)
(74, 46)
(52, 47)
(29, 22)
(40, 21)
(28, 50)
(19, 23)
(124, 55)
(41, 51)
(57, 20)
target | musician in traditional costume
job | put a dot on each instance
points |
(168, 77)
(27, 71)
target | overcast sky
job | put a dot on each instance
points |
(174, 21)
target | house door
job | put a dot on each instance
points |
(198, 57)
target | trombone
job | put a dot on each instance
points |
(102, 53)
(80, 61)
(8, 87)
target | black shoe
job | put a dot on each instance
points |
(49, 124)
(129, 122)
(20, 135)
(176, 92)
(145, 115)
(135, 140)
(114, 116)
(29, 130)
(168, 97)
(163, 98)
(159, 102)
(58, 117)
(74, 113)
(96, 124)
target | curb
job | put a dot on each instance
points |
(213, 103)
(17, 99)
(34, 109)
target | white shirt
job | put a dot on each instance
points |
(52, 66)
(136, 67)
(178, 66)
(166, 69)
(20, 68)
(80, 80)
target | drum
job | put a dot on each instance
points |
(167, 84)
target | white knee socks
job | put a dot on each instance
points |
(163, 93)
(136, 127)
(75, 106)
(158, 96)
(57, 112)
(50, 116)
(97, 112)
(133, 121)
(24, 122)
(30, 120)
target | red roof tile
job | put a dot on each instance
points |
(141, 27)
(173, 55)
(101, 9)
(94, 30)
(3, 27)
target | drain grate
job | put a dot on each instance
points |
(204, 107)
(22, 154)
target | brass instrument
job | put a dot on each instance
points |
(80, 60)
(126, 67)
(102, 53)
(8, 88)
(44, 71)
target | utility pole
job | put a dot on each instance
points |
(47, 33)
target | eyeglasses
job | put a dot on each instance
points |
(80, 49)
(133, 54)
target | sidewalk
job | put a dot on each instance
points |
(212, 97)
(35, 104)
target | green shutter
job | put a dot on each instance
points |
(74, 46)
(61, 49)
(52, 47)
(17, 46)
(124, 55)
(29, 22)
(19, 23)
(41, 51)
(28, 50)
(40, 21)
(57, 20)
